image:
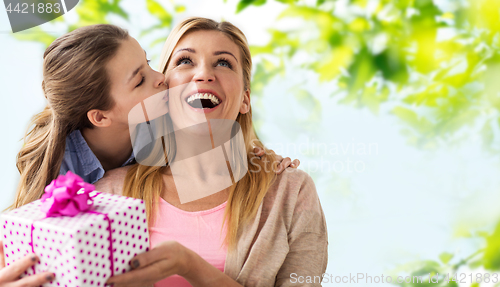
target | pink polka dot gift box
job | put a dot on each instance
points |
(81, 235)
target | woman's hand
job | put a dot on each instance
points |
(283, 162)
(169, 258)
(166, 259)
(9, 276)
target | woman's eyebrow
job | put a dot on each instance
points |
(185, 49)
(216, 53)
(225, 52)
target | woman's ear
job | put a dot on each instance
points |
(98, 118)
(245, 105)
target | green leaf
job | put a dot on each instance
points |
(492, 251)
(445, 257)
(339, 58)
(361, 71)
(159, 12)
(428, 266)
(413, 119)
(392, 65)
(475, 264)
(245, 3)
(36, 34)
(180, 8)
(157, 41)
(152, 29)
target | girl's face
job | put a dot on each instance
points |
(132, 81)
(205, 79)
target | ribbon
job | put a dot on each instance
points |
(69, 195)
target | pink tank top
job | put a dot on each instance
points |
(199, 231)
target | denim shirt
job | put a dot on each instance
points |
(79, 158)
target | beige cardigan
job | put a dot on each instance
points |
(287, 236)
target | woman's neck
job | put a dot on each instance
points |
(111, 147)
(173, 195)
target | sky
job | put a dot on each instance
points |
(389, 205)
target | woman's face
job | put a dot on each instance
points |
(132, 81)
(205, 79)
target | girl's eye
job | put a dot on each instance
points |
(184, 60)
(224, 63)
(140, 83)
(149, 61)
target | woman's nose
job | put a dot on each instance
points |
(204, 74)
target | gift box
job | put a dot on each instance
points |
(82, 236)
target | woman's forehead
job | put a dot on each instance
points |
(207, 41)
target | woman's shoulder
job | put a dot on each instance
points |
(292, 191)
(293, 183)
(113, 180)
(293, 200)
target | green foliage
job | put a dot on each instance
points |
(36, 35)
(90, 12)
(425, 272)
(445, 257)
(488, 258)
(164, 20)
(491, 258)
(432, 60)
(245, 3)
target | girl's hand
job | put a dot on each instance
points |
(166, 259)
(283, 162)
(9, 276)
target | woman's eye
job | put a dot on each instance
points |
(182, 61)
(224, 63)
(140, 83)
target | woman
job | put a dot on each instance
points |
(272, 226)
(84, 127)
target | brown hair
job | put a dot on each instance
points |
(245, 196)
(75, 81)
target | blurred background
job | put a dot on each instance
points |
(393, 107)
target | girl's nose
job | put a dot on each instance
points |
(159, 79)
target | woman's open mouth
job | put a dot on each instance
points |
(203, 102)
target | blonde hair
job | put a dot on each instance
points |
(245, 196)
(75, 81)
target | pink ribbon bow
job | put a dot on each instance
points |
(67, 196)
